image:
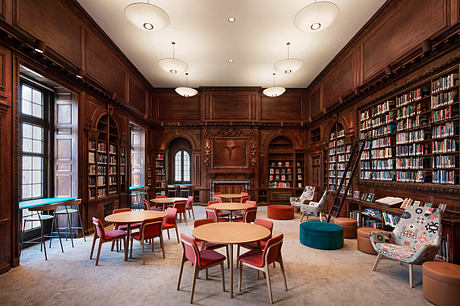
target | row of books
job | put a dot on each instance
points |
(101, 180)
(102, 158)
(112, 180)
(112, 159)
(382, 108)
(383, 142)
(411, 96)
(343, 158)
(444, 177)
(408, 111)
(383, 130)
(102, 147)
(411, 136)
(382, 153)
(444, 146)
(280, 170)
(390, 219)
(444, 161)
(280, 164)
(412, 163)
(280, 178)
(445, 113)
(411, 149)
(383, 164)
(340, 133)
(444, 82)
(160, 156)
(112, 149)
(411, 123)
(279, 184)
(444, 99)
(410, 176)
(445, 130)
(112, 170)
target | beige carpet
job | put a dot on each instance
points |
(315, 277)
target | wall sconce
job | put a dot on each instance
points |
(39, 46)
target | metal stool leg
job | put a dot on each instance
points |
(42, 243)
(59, 235)
(69, 225)
(81, 225)
(53, 227)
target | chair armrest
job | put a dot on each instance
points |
(425, 253)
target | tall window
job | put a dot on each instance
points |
(34, 141)
(182, 167)
(137, 156)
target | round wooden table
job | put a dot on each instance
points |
(130, 217)
(166, 201)
(231, 207)
(230, 233)
(230, 196)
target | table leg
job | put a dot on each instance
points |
(128, 233)
(231, 270)
(231, 216)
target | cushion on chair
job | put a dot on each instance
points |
(280, 212)
(395, 251)
(168, 225)
(253, 257)
(321, 235)
(114, 234)
(209, 257)
(124, 227)
(441, 282)
(254, 245)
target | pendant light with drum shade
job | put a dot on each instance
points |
(173, 65)
(289, 65)
(316, 16)
(274, 91)
(186, 91)
(146, 16)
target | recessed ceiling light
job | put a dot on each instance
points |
(315, 26)
(148, 26)
(230, 60)
(231, 19)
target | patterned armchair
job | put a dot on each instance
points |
(307, 195)
(315, 208)
(415, 239)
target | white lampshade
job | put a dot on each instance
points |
(186, 91)
(274, 91)
(316, 16)
(288, 66)
(146, 16)
(173, 65)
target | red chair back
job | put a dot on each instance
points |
(160, 197)
(191, 250)
(180, 205)
(189, 203)
(253, 203)
(211, 213)
(245, 197)
(151, 228)
(272, 249)
(250, 214)
(120, 210)
(201, 222)
(99, 228)
(146, 204)
(213, 202)
(267, 224)
(217, 197)
(171, 215)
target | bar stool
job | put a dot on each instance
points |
(69, 208)
(40, 217)
(172, 189)
(186, 189)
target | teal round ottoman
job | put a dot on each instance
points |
(321, 235)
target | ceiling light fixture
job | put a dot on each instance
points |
(274, 91)
(172, 65)
(316, 16)
(289, 65)
(231, 60)
(186, 91)
(146, 16)
(231, 19)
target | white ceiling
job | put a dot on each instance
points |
(205, 40)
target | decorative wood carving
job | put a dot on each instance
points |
(207, 151)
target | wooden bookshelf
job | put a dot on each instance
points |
(338, 154)
(413, 136)
(160, 174)
(281, 163)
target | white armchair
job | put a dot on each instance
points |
(307, 195)
(315, 208)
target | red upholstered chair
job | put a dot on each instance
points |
(150, 229)
(147, 206)
(123, 227)
(180, 206)
(241, 214)
(161, 197)
(217, 197)
(170, 221)
(261, 259)
(189, 207)
(99, 232)
(219, 213)
(211, 213)
(257, 245)
(249, 215)
(158, 206)
(209, 245)
(200, 260)
(245, 197)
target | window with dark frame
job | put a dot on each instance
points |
(182, 167)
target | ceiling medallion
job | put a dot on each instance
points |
(173, 65)
(289, 65)
(316, 16)
(274, 91)
(146, 16)
(186, 91)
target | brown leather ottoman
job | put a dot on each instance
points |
(364, 243)
(441, 283)
(349, 227)
(280, 212)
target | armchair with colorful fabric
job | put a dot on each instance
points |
(415, 239)
(307, 195)
(315, 208)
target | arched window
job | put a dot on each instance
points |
(182, 167)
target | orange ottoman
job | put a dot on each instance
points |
(441, 283)
(364, 243)
(349, 227)
(280, 212)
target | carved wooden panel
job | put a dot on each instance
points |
(413, 22)
(103, 65)
(338, 82)
(230, 152)
(231, 106)
(175, 107)
(315, 102)
(137, 93)
(53, 23)
(3, 9)
(287, 107)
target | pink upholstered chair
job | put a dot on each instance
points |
(150, 229)
(180, 206)
(261, 243)
(99, 232)
(221, 214)
(170, 221)
(189, 207)
(123, 227)
(209, 245)
(241, 214)
(261, 259)
(245, 197)
(212, 213)
(217, 197)
(200, 260)
(249, 215)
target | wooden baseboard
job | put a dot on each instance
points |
(4, 268)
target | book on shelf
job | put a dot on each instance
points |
(363, 196)
(370, 197)
(416, 203)
(390, 201)
(356, 194)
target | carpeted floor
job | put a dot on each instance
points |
(315, 277)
